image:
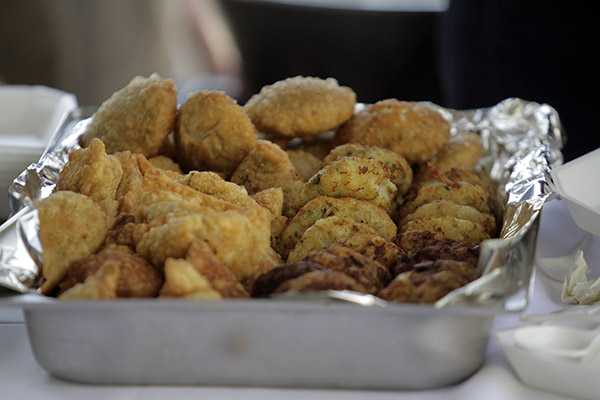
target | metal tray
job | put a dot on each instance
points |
(316, 341)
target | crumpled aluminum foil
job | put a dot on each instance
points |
(523, 141)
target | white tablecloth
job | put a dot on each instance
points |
(21, 377)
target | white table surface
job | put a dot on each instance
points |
(21, 377)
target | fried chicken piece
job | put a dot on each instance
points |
(126, 231)
(374, 247)
(414, 131)
(398, 169)
(137, 278)
(369, 273)
(218, 275)
(93, 173)
(213, 133)
(301, 106)
(137, 118)
(429, 281)
(165, 163)
(132, 178)
(101, 285)
(278, 225)
(268, 282)
(318, 281)
(267, 262)
(169, 148)
(305, 163)
(212, 184)
(462, 193)
(462, 152)
(450, 228)
(445, 208)
(182, 280)
(437, 250)
(237, 240)
(322, 207)
(271, 199)
(326, 232)
(267, 166)
(358, 178)
(72, 226)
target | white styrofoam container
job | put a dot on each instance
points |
(30, 114)
(578, 183)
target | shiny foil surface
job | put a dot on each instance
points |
(522, 140)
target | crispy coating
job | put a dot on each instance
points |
(295, 195)
(213, 133)
(441, 208)
(372, 275)
(322, 207)
(101, 285)
(462, 193)
(137, 278)
(267, 262)
(271, 199)
(317, 281)
(398, 168)
(165, 163)
(220, 277)
(278, 225)
(441, 228)
(301, 106)
(183, 280)
(305, 163)
(412, 130)
(462, 152)
(265, 167)
(429, 281)
(169, 148)
(132, 166)
(92, 172)
(326, 232)
(214, 185)
(268, 282)
(237, 240)
(374, 247)
(137, 118)
(438, 250)
(72, 226)
(126, 231)
(358, 178)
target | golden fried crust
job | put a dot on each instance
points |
(102, 285)
(445, 208)
(220, 277)
(295, 195)
(441, 228)
(301, 106)
(72, 226)
(271, 199)
(126, 231)
(137, 278)
(265, 167)
(462, 152)
(278, 224)
(305, 163)
(462, 193)
(414, 131)
(212, 184)
(437, 250)
(268, 282)
(92, 172)
(374, 247)
(358, 178)
(326, 232)
(317, 281)
(398, 168)
(165, 163)
(429, 282)
(267, 262)
(183, 280)
(238, 240)
(372, 275)
(213, 132)
(322, 207)
(137, 118)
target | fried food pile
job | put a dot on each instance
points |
(291, 192)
